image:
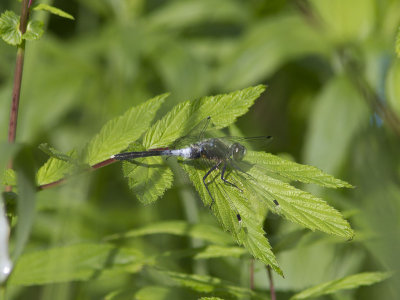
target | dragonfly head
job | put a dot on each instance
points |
(238, 151)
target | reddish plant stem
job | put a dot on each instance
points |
(51, 184)
(103, 163)
(12, 129)
(24, 15)
(271, 284)
(252, 274)
(62, 180)
(19, 64)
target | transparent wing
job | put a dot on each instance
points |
(252, 143)
(204, 129)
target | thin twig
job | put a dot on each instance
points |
(12, 129)
(271, 284)
(63, 180)
(19, 65)
(252, 274)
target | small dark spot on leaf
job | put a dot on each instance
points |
(239, 218)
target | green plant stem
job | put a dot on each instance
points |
(252, 274)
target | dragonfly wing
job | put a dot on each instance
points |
(251, 143)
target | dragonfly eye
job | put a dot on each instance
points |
(238, 151)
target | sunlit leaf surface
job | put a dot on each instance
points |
(9, 28)
(118, 133)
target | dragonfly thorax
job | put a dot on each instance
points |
(217, 150)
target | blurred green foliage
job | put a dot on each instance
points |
(333, 101)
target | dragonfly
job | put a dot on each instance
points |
(221, 153)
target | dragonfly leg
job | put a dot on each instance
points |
(226, 181)
(206, 184)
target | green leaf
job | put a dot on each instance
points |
(55, 169)
(53, 10)
(345, 283)
(7, 152)
(327, 144)
(345, 21)
(296, 205)
(214, 251)
(58, 166)
(9, 177)
(180, 15)
(229, 203)
(9, 28)
(74, 262)
(118, 133)
(148, 178)
(155, 292)
(261, 191)
(208, 284)
(205, 232)
(24, 166)
(50, 151)
(34, 30)
(279, 167)
(201, 253)
(223, 109)
(264, 48)
(240, 213)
